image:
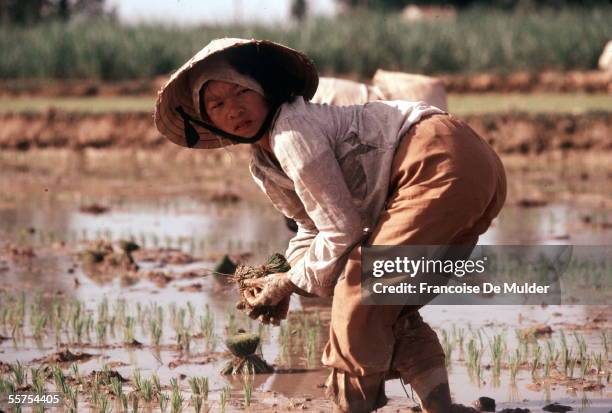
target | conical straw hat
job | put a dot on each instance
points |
(298, 71)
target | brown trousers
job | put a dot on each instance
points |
(447, 185)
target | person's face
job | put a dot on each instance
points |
(235, 109)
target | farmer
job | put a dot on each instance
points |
(389, 173)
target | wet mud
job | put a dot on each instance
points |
(547, 81)
(507, 132)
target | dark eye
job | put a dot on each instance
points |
(216, 105)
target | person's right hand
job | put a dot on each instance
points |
(267, 314)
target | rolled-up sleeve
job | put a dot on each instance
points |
(308, 159)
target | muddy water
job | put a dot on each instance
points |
(205, 230)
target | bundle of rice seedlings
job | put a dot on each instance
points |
(245, 361)
(277, 263)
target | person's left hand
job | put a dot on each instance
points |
(268, 290)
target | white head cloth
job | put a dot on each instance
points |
(218, 68)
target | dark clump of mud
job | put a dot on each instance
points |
(556, 407)
(485, 404)
(67, 356)
(94, 209)
(105, 256)
(531, 203)
(104, 377)
(16, 252)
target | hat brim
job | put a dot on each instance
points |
(290, 64)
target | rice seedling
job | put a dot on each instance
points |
(199, 386)
(74, 368)
(156, 383)
(94, 395)
(604, 342)
(231, 327)
(497, 347)
(156, 332)
(552, 352)
(135, 402)
(7, 386)
(40, 322)
(547, 365)
(146, 389)
(174, 384)
(585, 365)
(447, 346)
(120, 308)
(582, 346)
(124, 400)
(137, 380)
(139, 313)
(196, 402)
(226, 394)
(103, 312)
(563, 341)
(38, 381)
(535, 363)
(599, 363)
(101, 332)
(207, 327)
(459, 337)
(60, 380)
(191, 311)
(176, 401)
(104, 404)
(584, 401)
(284, 341)
(514, 364)
(310, 347)
(89, 326)
(71, 401)
(19, 373)
(572, 365)
(247, 386)
(163, 399)
(474, 360)
(128, 330)
(116, 387)
(112, 321)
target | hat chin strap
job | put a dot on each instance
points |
(192, 137)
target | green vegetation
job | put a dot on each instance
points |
(460, 104)
(356, 43)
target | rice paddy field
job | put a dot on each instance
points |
(148, 333)
(114, 244)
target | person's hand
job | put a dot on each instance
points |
(269, 290)
(273, 315)
(266, 314)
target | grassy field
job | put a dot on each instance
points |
(478, 40)
(458, 103)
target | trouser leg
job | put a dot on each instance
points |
(355, 394)
(419, 360)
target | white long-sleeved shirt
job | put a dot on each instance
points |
(332, 178)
